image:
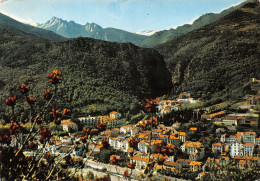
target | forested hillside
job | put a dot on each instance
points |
(98, 76)
(218, 59)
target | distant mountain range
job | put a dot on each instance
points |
(70, 29)
(146, 38)
(166, 35)
(9, 23)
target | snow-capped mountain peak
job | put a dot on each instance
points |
(147, 32)
(71, 29)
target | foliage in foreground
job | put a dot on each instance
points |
(43, 165)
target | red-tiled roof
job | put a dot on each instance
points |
(253, 133)
(193, 129)
(163, 136)
(195, 163)
(99, 146)
(249, 144)
(217, 144)
(140, 159)
(193, 144)
(171, 164)
(114, 112)
(253, 97)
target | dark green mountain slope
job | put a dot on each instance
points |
(70, 29)
(9, 23)
(220, 57)
(166, 35)
(98, 75)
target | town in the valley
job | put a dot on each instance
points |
(180, 140)
(117, 90)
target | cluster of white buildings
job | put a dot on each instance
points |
(111, 119)
(240, 144)
(166, 106)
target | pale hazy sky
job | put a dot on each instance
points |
(130, 15)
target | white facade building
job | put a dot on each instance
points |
(249, 137)
(115, 115)
(88, 120)
(249, 149)
(236, 148)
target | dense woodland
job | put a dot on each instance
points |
(98, 76)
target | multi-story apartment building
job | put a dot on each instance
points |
(236, 148)
(89, 120)
(249, 149)
(249, 137)
(194, 148)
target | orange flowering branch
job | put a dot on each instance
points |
(31, 168)
(32, 101)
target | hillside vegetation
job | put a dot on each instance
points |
(218, 59)
(98, 76)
